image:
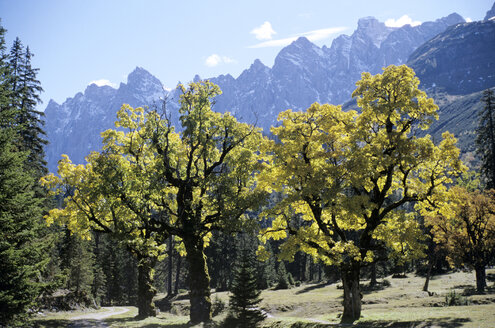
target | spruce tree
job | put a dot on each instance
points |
(283, 277)
(24, 241)
(22, 255)
(485, 139)
(245, 297)
(31, 120)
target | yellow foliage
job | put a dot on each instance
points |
(344, 177)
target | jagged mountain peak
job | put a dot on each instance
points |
(257, 65)
(452, 19)
(490, 14)
(297, 52)
(94, 90)
(140, 75)
(373, 29)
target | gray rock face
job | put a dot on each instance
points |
(460, 60)
(490, 14)
(74, 127)
(302, 74)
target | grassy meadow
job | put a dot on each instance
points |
(399, 302)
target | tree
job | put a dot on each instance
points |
(465, 226)
(206, 178)
(348, 175)
(30, 119)
(283, 278)
(6, 116)
(23, 249)
(110, 195)
(245, 297)
(485, 138)
(151, 182)
(22, 253)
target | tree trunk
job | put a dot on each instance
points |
(373, 281)
(311, 270)
(177, 274)
(170, 263)
(352, 293)
(480, 278)
(146, 291)
(199, 280)
(428, 275)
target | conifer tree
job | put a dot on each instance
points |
(245, 297)
(31, 120)
(283, 278)
(22, 256)
(485, 139)
(23, 244)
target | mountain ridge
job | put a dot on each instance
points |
(302, 74)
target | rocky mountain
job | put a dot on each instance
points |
(455, 67)
(459, 60)
(490, 14)
(302, 74)
(74, 127)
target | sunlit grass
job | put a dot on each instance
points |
(402, 304)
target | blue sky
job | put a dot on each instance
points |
(76, 42)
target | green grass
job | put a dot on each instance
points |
(402, 304)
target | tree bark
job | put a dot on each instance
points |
(373, 281)
(352, 293)
(170, 263)
(428, 275)
(480, 278)
(177, 274)
(146, 291)
(199, 280)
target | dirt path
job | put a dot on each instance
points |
(95, 319)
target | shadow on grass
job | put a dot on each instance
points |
(125, 322)
(469, 290)
(51, 323)
(440, 322)
(490, 277)
(313, 287)
(380, 285)
(62, 323)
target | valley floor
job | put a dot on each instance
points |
(402, 304)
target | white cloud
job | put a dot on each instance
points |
(103, 82)
(264, 32)
(469, 20)
(312, 36)
(321, 34)
(215, 60)
(404, 20)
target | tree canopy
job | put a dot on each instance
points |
(349, 175)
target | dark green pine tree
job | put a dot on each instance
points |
(78, 261)
(6, 112)
(485, 139)
(23, 235)
(22, 255)
(25, 96)
(245, 297)
(31, 120)
(283, 277)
